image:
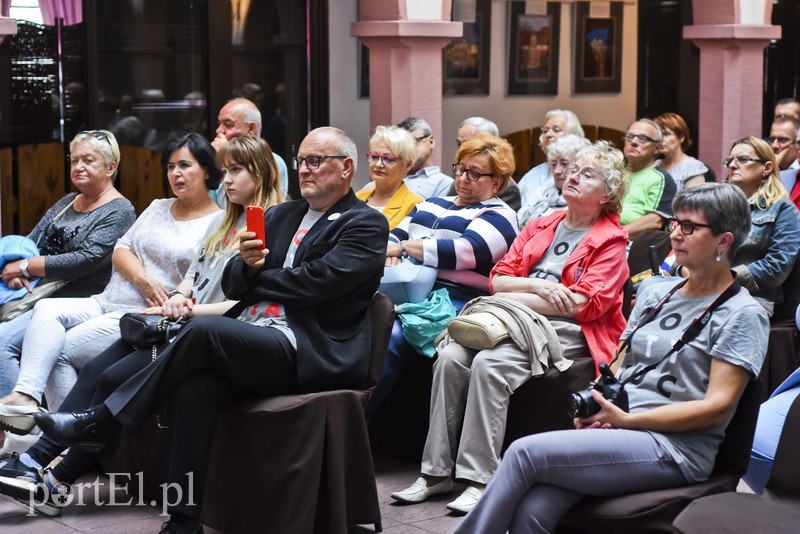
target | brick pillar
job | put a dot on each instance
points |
(405, 61)
(731, 42)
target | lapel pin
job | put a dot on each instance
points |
(334, 216)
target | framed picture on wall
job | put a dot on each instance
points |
(465, 60)
(533, 49)
(598, 48)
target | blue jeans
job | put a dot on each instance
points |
(11, 335)
(542, 476)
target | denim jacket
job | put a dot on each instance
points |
(767, 256)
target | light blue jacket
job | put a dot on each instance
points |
(767, 256)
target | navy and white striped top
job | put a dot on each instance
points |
(463, 242)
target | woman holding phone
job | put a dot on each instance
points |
(250, 177)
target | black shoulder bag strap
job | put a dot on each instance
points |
(689, 334)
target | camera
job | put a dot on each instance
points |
(582, 405)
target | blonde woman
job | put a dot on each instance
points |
(767, 256)
(392, 153)
(250, 176)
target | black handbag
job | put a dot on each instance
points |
(144, 330)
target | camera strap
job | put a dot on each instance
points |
(689, 334)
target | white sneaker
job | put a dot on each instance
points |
(466, 501)
(419, 490)
(18, 419)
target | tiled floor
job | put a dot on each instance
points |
(90, 517)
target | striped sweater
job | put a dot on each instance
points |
(463, 242)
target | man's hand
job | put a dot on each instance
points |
(251, 251)
(219, 141)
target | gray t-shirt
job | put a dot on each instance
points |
(273, 314)
(552, 262)
(736, 333)
(206, 273)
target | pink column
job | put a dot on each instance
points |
(731, 73)
(405, 69)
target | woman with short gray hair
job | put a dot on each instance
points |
(680, 397)
(547, 198)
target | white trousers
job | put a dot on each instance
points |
(76, 327)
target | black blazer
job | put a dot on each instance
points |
(337, 269)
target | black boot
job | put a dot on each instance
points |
(90, 429)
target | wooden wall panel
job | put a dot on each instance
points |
(610, 134)
(140, 177)
(521, 141)
(7, 200)
(41, 181)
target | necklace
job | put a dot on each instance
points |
(86, 202)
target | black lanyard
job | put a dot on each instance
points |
(689, 334)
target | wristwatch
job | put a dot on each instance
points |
(175, 292)
(404, 252)
(23, 266)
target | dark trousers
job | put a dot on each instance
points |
(96, 381)
(212, 362)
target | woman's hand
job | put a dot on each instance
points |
(609, 416)
(153, 292)
(391, 261)
(176, 307)
(19, 282)
(557, 295)
(11, 270)
(152, 310)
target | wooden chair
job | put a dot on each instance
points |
(654, 511)
(522, 143)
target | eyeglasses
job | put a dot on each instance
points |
(422, 138)
(741, 160)
(779, 139)
(97, 134)
(639, 137)
(388, 161)
(687, 227)
(585, 174)
(473, 175)
(312, 162)
(667, 133)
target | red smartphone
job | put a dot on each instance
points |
(255, 222)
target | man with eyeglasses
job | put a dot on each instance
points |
(424, 178)
(301, 324)
(648, 202)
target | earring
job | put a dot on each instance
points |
(718, 257)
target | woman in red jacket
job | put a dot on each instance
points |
(570, 267)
